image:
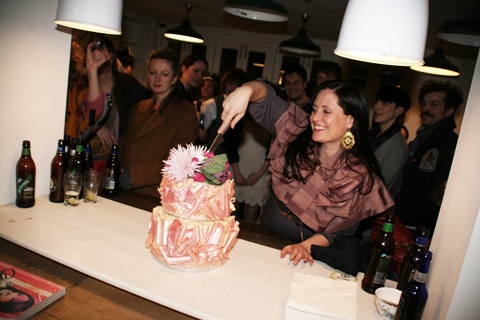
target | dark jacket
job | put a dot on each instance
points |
(128, 91)
(426, 174)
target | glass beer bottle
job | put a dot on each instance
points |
(112, 173)
(88, 157)
(380, 258)
(57, 170)
(414, 296)
(25, 178)
(412, 258)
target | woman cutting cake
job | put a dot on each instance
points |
(325, 178)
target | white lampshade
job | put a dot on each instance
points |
(104, 16)
(391, 32)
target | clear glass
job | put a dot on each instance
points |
(72, 187)
(92, 182)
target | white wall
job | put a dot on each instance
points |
(33, 82)
(454, 284)
(34, 63)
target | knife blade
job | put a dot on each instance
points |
(216, 142)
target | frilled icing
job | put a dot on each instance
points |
(196, 200)
(190, 245)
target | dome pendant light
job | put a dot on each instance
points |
(464, 31)
(91, 15)
(376, 31)
(261, 10)
(300, 44)
(439, 65)
(184, 32)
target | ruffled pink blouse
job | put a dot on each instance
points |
(330, 200)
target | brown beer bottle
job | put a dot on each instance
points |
(380, 258)
(25, 178)
(57, 170)
(77, 163)
(413, 257)
(88, 157)
(112, 174)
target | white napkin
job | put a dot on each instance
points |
(315, 297)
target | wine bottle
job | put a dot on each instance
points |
(414, 296)
(412, 257)
(25, 178)
(380, 257)
(58, 168)
(112, 174)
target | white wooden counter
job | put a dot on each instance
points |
(106, 241)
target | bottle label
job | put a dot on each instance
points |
(387, 227)
(110, 180)
(24, 188)
(53, 184)
(382, 269)
(26, 152)
(109, 183)
(420, 276)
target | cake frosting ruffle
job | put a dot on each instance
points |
(190, 245)
(193, 230)
(197, 200)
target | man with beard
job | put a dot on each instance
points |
(430, 155)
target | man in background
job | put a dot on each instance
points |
(388, 142)
(295, 83)
(328, 70)
(430, 155)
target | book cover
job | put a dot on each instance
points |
(22, 293)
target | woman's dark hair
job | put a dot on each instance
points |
(106, 42)
(399, 97)
(235, 75)
(15, 306)
(299, 154)
(168, 55)
(126, 57)
(192, 58)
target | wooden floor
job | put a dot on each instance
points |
(88, 298)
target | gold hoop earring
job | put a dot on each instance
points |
(348, 140)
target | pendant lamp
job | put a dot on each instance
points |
(184, 32)
(262, 10)
(300, 44)
(91, 15)
(390, 32)
(438, 64)
(464, 31)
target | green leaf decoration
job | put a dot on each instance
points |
(214, 166)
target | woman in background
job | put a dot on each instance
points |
(193, 70)
(111, 97)
(156, 125)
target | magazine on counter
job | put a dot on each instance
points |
(22, 293)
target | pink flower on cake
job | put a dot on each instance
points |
(198, 177)
(182, 162)
(197, 163)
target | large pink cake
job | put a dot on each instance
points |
(193, 230)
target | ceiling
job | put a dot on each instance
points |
(325, 18)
